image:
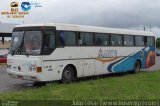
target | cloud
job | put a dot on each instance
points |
(109, 13)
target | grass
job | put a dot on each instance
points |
(140, 86)
(143, 85)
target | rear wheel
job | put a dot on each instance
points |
(68, 75)
(137, 66)
(39, 84)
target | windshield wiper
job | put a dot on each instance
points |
(14, 51)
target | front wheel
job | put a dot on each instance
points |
(68, 75)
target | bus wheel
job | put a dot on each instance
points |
(137, 66)
(39, 84)
(68, 75)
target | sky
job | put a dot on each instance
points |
(128, 14)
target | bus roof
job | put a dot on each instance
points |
(84, 28)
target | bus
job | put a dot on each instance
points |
(49, 52)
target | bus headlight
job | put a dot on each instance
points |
(8, 67)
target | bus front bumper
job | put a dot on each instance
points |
(24, 76)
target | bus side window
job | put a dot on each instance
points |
(48, 42)
(87, 38)
(105, 43)
(116, 40)
(145, 41)
(61, 35)
(125, 43)
(150, 41)
(68, 38)
(113, 43)
(101, 39)
(128, 40)
(79, 41)
(139, 40)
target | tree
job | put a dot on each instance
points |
(158, 42)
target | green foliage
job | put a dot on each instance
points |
(139, 86)
(158, 42)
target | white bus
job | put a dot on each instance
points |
(47, 52)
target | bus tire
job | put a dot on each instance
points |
(39, 84)
(137, 66)
(68, 75)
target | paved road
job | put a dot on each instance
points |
(8, 84)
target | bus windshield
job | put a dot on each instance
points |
(26, 42)
(16, 40)
(32, 42)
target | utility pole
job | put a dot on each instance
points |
(150, 28)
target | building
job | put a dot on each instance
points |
(5, 30)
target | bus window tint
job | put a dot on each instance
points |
(150, 41)
(139, 41)
(86, 39)
(101, 39)
(69, 38)
(128, 40)
(116, 40)
(49, 42)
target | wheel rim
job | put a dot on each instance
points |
(67, 74)
(137, 67)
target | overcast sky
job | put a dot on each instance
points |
(130, 14)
